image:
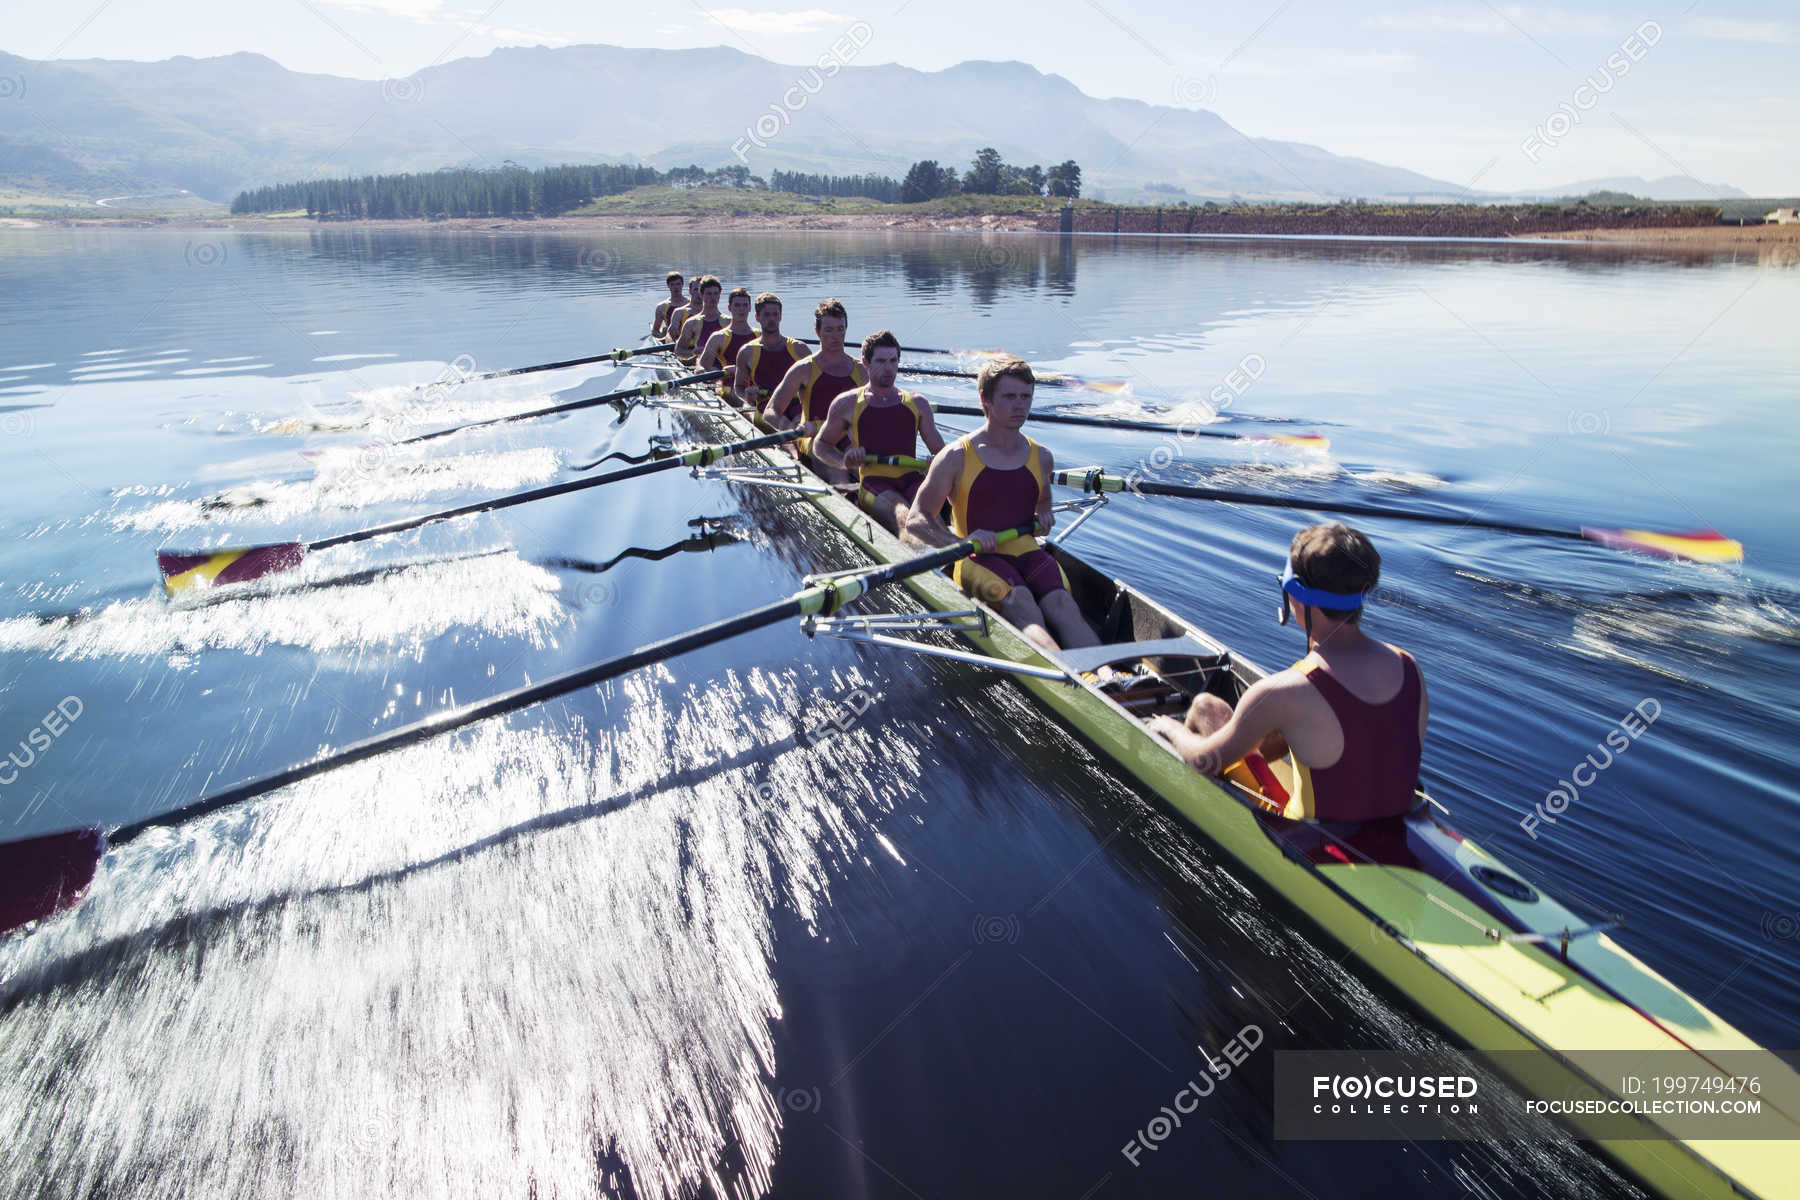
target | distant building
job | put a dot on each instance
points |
(1783, 216)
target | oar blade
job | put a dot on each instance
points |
(1698, 545)
(197, 570)
(1306, 441)
(43, 875)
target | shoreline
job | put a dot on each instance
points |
(1704, 238)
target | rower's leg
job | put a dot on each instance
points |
(1065, 617)
(887, 508)
(1207, 714)
(1021, 610)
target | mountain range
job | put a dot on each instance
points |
(91, 128)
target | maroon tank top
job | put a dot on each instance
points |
(772, 364)
(1378, 772)
(891, 429)
(824, 390)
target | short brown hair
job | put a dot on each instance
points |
(710, 281)
(1004, 366)
(1336, 558)
(878, 339)
(830, 308)
(766, 298)
(672, 277)
(738, 291)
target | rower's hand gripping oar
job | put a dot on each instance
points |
(1311, 441)
(196, 570)
(47, 874)
(1702, 545)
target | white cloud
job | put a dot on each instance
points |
(806, 20)
(411, 10)
(1730, 29)
(1507, 18)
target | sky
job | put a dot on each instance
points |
(1488, 95)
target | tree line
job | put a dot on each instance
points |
(513, 191)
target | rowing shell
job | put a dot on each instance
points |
(1492, 957)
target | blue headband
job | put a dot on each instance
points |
(1330, 601)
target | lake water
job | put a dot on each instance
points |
(647, 941)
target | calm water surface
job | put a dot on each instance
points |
(660, 938)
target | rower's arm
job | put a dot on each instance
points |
(742, 385)
(1046, 500)
(1258, 714)
(708, 356)
(685, 344)
(660, 319)
(928, 431)
(923, 525)
(836, 428)
(785, 391)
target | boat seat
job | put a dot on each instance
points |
(1092, 658)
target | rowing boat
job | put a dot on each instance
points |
(1492, 957)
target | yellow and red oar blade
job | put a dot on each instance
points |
(1308, 441)
(41, 875)
(1111, 387)
(197, 570)
(1698, 545)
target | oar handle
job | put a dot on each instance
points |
(700, 456)
(821, 598)
(896, 460)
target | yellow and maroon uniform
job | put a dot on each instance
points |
(889, 430)
(988, 498)
(769, 364)
(1378, 773)
(819, 389)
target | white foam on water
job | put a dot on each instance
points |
(29, 367)
(405, 608)
(349, 357)
(355, 479)
(248, 366)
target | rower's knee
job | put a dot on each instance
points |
(1207, 714)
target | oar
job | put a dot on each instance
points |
(1701, 545)
(46, 874)
(655, 387)
(195, 570)
(1311, 441)
(915, 349)
(1109, 386)
(619, 355)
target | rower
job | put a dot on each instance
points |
(688, 308)
(807, 390)
(1352, 712)
(997, 478)
(762, 364)
(721, 349)
(880, 421)
(659, 324)
(702, 324)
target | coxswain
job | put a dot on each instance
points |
(810, 385)
(702, 324)
(996, 478)
(721, 349)
(763, 363)
(881, 422)
(1351, 714)
(659, 324)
